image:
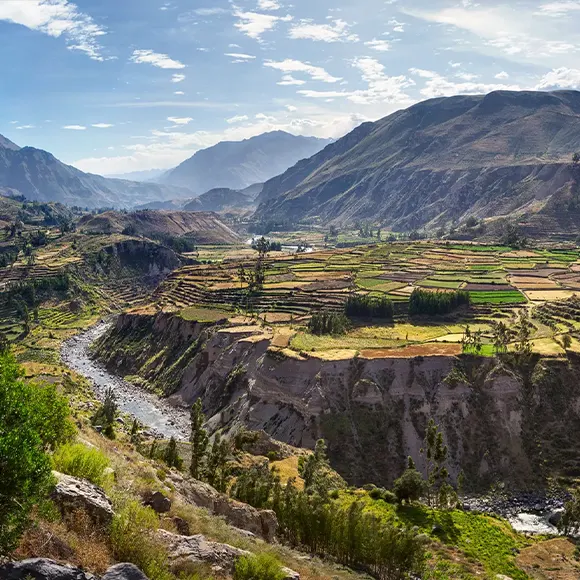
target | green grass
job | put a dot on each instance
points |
(486, 539)
(198, 314)
(497, 297)
(430, 283)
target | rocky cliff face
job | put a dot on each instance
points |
(499, 422)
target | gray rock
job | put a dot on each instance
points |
(555, 518)
(42, 569)
(181, 526)
(158, 502)
(71, 494)
(124, 571)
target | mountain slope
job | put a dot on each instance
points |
(506, 153)
(39, 175)
(205, 227)
(238, 164)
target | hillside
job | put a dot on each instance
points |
(434, 164)
(205, 227)
(238, 164)
(219, 199)
(40, 176)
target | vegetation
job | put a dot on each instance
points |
(199, 440)
(369, 307)
(434, 303)
(328, 323)
(81, 461)
(104, 417)
(260, 567)
(33, 419)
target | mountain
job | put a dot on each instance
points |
(238, 164)
(205, 227)
(147, 175)
(40, 176)
(223, 199)
(442, 160)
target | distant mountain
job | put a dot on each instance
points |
(39, 175)
(148, 175)
(220, 199)
(205, 227)
(238, 164)
(502, 154)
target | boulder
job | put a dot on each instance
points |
(555, 518)
(198, 549)
(158, 502)
(181, 526)
(262, 523)
(71, 494)
(124, 571)
(42, 569)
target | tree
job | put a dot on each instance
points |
(570, 522)
(501, 337)
(410, 486)
(312, 468)
(436, 453)
(523, 329)
(33, 418)
(566, 341)
(217, 471)
(199, 440)
(262, 246)
(105, 415)
(171, 455)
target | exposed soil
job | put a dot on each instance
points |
(413, 351)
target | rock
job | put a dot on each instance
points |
(502, 577)
(42, 569)
(124, 571)
(71, 493)
(262, 523)
(555, 518)
(158, 502)
(183, 550)
(181, 526)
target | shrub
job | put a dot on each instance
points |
(106, 414)
(260, 567)
(80, 461)
(33, 418)
(410, 486)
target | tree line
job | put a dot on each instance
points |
(358, 305)
(433, 303)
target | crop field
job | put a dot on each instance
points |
(500, 281)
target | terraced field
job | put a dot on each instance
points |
(500, 281)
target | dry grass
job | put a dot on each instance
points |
(550, 560)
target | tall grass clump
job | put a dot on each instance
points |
(80, 461)
(258, 567)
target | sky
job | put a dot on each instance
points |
(115, 86)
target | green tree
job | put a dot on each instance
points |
(217, 471)
(410, 486)
(199, 440)
(33, 418)
(570, 522)
(171, 454)
(313, 468)
(501, 337)
(524, 329)
(105, 415)
(436, 454)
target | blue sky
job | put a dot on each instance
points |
(113, 86)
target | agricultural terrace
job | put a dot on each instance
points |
(500, 282)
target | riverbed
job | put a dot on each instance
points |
(155, 414)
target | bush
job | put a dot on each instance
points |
(410, 486)
(260, 567)
(80, 461)
(33, 418)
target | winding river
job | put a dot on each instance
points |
(162, 419)
(156, 415)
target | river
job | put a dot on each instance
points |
(155, 414)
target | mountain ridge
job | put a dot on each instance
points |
(437, 162)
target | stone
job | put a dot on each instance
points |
(42, 569)
(262, 523)
(124, 571)
(555, 518)
(158, 502)
(198, 549)
(71, 494)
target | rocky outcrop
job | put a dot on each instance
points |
(44, 569)
(183, 550)
(262, 523)
(71, 494)
(158, 502)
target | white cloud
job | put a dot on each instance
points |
(263, 117)
(502, 75)
(438, 86)
(102, 125)
(454, 64)
(323, 94)
(291, 108)
(240, 57)
(254, 24)
(338, 31)
(57, 18)
(560, 78)
(180, 120)
(397, 26)
(26, 127)
(177, 78)
(467, 76)
(179, 93)
(75, 127)
(291, 66)
(379, 45)
(289, 80)
(268, 5)
(237, 119)
(209, 11)
(557, 9)
(155, 59)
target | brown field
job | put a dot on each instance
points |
(488, 287)
(429, 349)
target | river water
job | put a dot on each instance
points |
(155, 414)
